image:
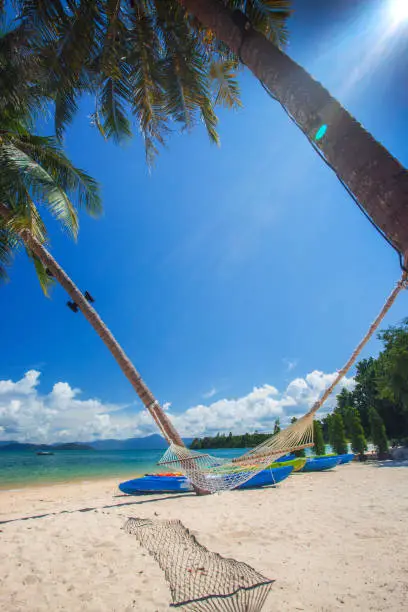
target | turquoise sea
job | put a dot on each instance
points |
(25, 468)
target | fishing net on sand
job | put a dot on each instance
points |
(199, 580)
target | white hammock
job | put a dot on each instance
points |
(212, 474)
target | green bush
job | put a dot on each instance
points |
(337, 434)
(319, 446)
(378, 434)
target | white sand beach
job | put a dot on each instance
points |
(332, 541)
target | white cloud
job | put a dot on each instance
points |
(61, 415)
(23, 386)
(290, 364)
(27, 415)
(208, 394)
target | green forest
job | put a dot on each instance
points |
(375, 411)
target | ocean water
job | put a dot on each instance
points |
(24, 468)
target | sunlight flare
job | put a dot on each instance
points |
(399, 10)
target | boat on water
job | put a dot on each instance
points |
(175, 483)
(44, 453)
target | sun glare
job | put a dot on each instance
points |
(399, 10)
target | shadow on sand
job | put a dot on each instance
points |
(391, 464)
(145, 500)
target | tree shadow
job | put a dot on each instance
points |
(106, 507)
(392, 464)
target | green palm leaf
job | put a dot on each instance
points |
(147, 59)
(112, 117)
(42, 186)
(225, 84)
(6, 249)
(46, 281)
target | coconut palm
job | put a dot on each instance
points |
(378, 181)
(37, 175)
(139, 59)
(154, 57)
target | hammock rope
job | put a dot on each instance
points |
(214, 474)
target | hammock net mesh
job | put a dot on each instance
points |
(199, 579)
(213, 474)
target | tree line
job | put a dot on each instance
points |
(375, 411)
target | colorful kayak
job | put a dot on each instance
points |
(297, 463)
(286, 458)
(346, 458)
(174, 484)
(320, 463)
(268, 477)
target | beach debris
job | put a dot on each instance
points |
(199, 580)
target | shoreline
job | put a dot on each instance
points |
(79, 480)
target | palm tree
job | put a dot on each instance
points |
(377, 180)
(139, 59)
(34, 168)
(35, 174)
(156, 55)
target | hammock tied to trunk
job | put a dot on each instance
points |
(211, 474)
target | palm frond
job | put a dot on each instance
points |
(210, 121)
(267, 16)
(144, 57)
(186, 81)
(223, 75)
(149, 58)
(46, 152)
(41, 186)
(22, 92)
(71, 43)
(6, 250)
(46, 281)
(25, 215)
(112, 114)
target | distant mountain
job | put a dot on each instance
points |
(71, 446)
(16, 446)
(153, 442)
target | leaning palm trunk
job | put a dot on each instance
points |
(133, 376)
(377, 180)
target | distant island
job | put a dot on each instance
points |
(153, 442)
(222, 441)
(16, 446)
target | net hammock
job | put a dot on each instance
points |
(210, 474)
(199, 580)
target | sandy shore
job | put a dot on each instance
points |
(332, 541)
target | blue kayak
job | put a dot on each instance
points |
(320, 463)
(346, 458)
(267, 477)
(177, 484)
(289, 457)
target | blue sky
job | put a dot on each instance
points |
(223, 270)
